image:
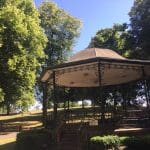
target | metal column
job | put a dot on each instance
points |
(45, 94)
(54, 96)
(145, 88)
(100, 93)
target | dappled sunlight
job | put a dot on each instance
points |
(11, 125)
(31, 124)
(20, 115)
(26, 121)
(4, 133)
(7, 140)
(14, 126)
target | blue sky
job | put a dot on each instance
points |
(95, 15)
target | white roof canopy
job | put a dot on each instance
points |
(87, 67)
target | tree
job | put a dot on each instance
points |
(22, 41)
(120, 39)
(61, 30)
(116, 38)
(140, 29)
(1, 96)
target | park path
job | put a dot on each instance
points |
(6, 137)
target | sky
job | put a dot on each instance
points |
(94, 15)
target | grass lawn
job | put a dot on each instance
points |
(8, 146)
(26, 121)
(7, 140)
(11, 125)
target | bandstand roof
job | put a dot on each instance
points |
(83, 69)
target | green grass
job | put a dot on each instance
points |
(27, 121)
(7, 140)
(8, 146)
(11, 124)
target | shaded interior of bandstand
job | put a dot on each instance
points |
(116, 114)
(101, 117)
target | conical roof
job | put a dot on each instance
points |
(95, 53)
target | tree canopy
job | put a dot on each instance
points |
(61, 29)
(129, 40)
(140, 29)
(116, 38)
(22, 41)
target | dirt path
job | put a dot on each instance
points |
(6, 135)
(7, 138)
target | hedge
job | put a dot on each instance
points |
(33, 140)
(137, 143)
(113, 142)
(104, 142)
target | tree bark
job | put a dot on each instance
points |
(8, 108)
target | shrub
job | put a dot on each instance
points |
(33, 139)
(104, 142)
(138, 143)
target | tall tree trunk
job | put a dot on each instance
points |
(8, 108)
(55, 111)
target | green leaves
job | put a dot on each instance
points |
(26, 100)
(114, 38)
(140, 29)
(61, 30)
(22, 41)
(105, 142)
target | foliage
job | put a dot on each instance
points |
(33, 139)
(120, 39)
(114, 38)
(21, 49)
(138, 143)
(140, 33)
(132, 142)
(140, 29)
(25, 101)
(61, 30)
(105, 142)
(131, 41)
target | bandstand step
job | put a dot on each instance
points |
(69, 141)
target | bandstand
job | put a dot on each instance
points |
(96, 67)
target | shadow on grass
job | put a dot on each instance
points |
(8, 146)
(4, 133)
(24, 118)
(9, 114)
(20, 123)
